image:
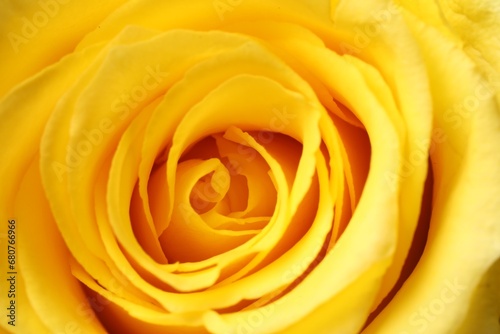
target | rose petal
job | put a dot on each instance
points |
(465, 165)
(52, 28)
(41, 277)
(22, 120)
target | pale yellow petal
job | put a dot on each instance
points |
(39, 33)
(465, 206)
(54, 293)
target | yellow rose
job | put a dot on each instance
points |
(250, 166)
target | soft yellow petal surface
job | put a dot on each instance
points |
(463, 241)
(39, 33)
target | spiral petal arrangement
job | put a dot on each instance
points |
(256, 167)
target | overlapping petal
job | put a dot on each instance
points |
(254, 166)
